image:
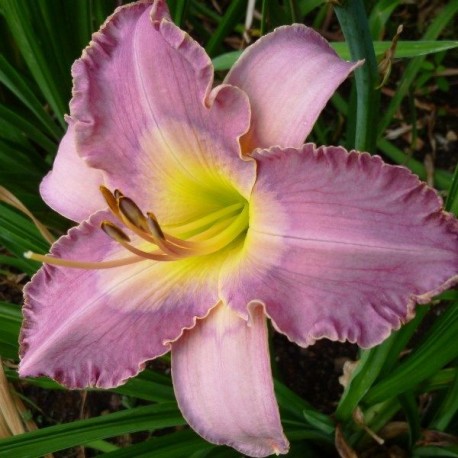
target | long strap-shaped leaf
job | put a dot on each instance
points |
(53, 438)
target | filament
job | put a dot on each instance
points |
(215, 231)
(82, 264)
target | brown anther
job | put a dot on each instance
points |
(114, 232)
(109, 199)
(132, 213)
(154, 227)
(117, 193)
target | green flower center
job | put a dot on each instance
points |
(198, 236)
(204, 234)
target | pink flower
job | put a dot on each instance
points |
(325, 243)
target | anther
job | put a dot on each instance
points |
(154, 227)
(110, 199)
(130, 210)
(118, 194)
(114, 232)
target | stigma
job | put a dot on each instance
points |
(210, 233)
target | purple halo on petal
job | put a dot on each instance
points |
(98, 327)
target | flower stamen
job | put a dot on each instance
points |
(159, 237)
(110, 199)
(226, 225)
(215, 231)
(87, 265)
(154, 227)
(129, 211)
(114, 232)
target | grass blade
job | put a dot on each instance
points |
(53, 438)
(231, 17)
(451, 203)
(22, 89)
(433, 354)
(410, 73)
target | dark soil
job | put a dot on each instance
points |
(313, 372)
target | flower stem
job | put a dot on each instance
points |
(353, 21)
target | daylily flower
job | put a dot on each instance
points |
(192, 232)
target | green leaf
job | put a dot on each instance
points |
(444, 16)
(226, 61)
(451, 204)
(178, 11)
(319, 421)
(23, 127)
(448, 408)
(53, 438)
(102, 446)
(180, 444)
(290, 403)
(412, 414)
(19, 235)
(379, 16)
(401, 338)
(440, 381)
(232, 15)
(431, 451)
(375, 418)
(364, 375)
(433, 354)
(306, 6)
(10, 323)
(353, 21)
(46, 34)
(405, 49)
(148, 385)
(22, 89)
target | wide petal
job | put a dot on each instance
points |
(72, 187)
(98, 327)
(223, 383)
(289, 75)
(145, 114)
(340, 245)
